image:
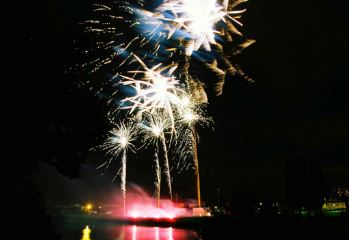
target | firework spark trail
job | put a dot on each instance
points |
(182, 149)
(166, 165)
(154, 126)
(119, 141)
(111, 37)
(195, 88)
(196, 164)
(157, 176)
(191, 114)
(190, 119)
(123, 178)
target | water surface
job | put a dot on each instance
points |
(87, 229)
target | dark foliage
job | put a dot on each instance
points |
(304, 183)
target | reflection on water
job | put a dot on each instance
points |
(136, 233)
(157, 233)
(170, 234)
(86, 233)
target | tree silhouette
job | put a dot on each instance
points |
(304, 182)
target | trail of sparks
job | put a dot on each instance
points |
(157, 176)
(196, 164)
(123, 178)
(166, 165)
(120, 140)
(190, 114)
(154, 126)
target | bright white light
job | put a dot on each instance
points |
(198, 18)
(123, 141)
(120, 138)
(156, 130)
(189, 112)
(184, 101)
(155, 90)
(154, 126)
(189, 116)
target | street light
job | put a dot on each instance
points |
(89, 207)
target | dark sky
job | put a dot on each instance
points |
(298, 102)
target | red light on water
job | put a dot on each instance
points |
(157, 234)
(154, 233)
(170, 233)
(134, 232)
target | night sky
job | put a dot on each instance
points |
(297, 104)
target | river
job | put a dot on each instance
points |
(90, 229)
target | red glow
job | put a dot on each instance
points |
(140, 205)
(170, 233)
(134, 232)
(155, 233)
(167, 211)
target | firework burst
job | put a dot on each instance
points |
(119, 141)
(154, 127)
(156, 89)
(190, 114)
(122, 30)
(198, 20)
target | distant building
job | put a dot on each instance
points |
(200, 212)
(338, 198)
(334, 205)
(69, 209)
